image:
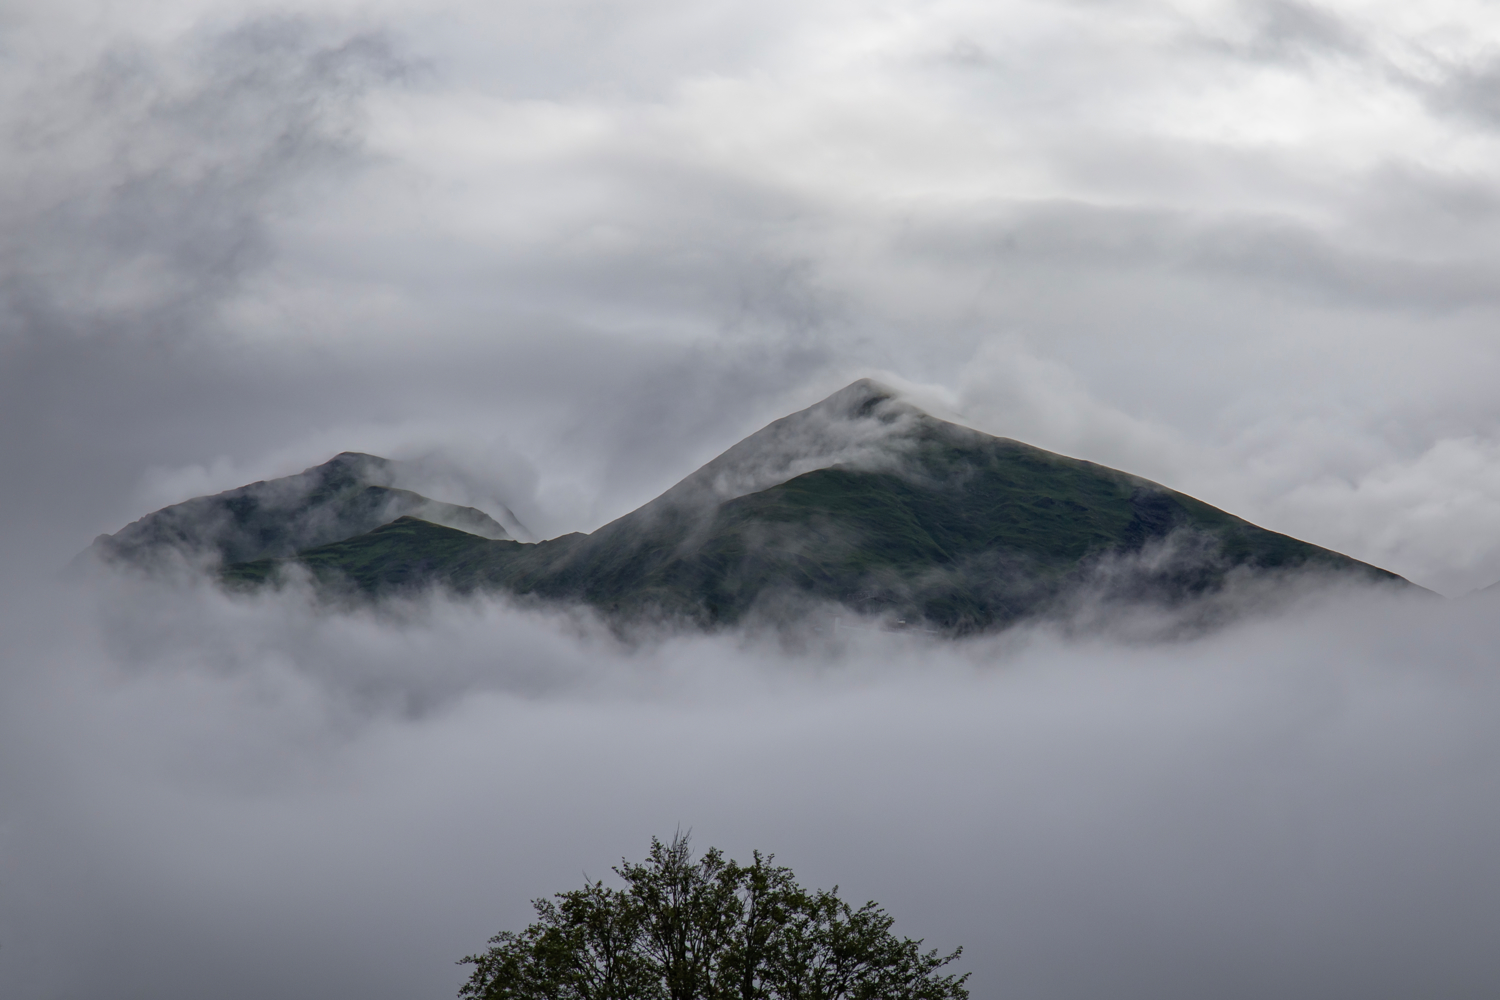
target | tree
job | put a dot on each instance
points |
(707, 929)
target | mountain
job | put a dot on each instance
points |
(862, 501)
(348, 495)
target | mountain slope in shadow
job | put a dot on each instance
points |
(862, 501)
(348, 495)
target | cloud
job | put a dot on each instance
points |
(568, 253)
(138, 202)
(145, 176)
(613, 262)
(249, 797)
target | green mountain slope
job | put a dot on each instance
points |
(866, 502)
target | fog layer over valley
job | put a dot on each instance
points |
(250, 797)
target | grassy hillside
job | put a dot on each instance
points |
(963, 531)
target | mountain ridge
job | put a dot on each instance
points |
(860, 500)
(348, 495)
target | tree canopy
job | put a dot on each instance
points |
(707, 929)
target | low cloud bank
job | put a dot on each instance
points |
(238, 797)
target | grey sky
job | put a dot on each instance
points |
(565, 253)
(1251, 246)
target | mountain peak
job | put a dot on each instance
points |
(355, 460)
(857, 399)
(864, 425)
(861, 500)
(347, 495)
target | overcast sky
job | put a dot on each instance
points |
(1249, 250)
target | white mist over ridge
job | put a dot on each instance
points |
(863, 426)
(1299, 804)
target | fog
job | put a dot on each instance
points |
(555, 257)
(250, 797)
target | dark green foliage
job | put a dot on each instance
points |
(707, 929)
(966, 532)
(930, 524)
(406, 552)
